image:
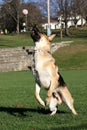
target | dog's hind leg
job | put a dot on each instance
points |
(37, 95)
(67, 99)
(55, 100)
(71, 106)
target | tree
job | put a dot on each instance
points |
(34, 16)
(58, 6)
(79, 7)
(13, 18)
(64, 9)
(10, 14)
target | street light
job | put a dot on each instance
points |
(48, 11)
(25, 12)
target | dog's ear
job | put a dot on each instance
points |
(52, 37)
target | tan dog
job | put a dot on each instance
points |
(61, 94)
(46, 74)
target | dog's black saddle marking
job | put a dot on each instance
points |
(36, 75)
(32, 68)
(61, 81)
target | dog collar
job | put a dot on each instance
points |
(39, 50)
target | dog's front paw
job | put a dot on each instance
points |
(43, 104)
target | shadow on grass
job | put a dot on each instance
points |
(22, 111)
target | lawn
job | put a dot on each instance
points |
(20, 111)
(78, 36)
(73, 56)
(15, 40)
(18, 108)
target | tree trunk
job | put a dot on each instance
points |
(18, 7)
(66, 28)
(18, 23)
(81, 21)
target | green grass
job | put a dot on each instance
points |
(20, 111)
(15, 41)
(18, 108)
(78, 35)
(73, 56)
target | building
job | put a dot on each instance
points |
(72, 21)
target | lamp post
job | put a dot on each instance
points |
(48, 11)
(25, 12)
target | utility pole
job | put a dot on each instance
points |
(48, 11)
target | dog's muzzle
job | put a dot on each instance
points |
(35, 34)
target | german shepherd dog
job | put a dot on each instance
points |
(46, 74)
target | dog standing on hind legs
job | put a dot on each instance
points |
(46, 74)
(61, 95)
